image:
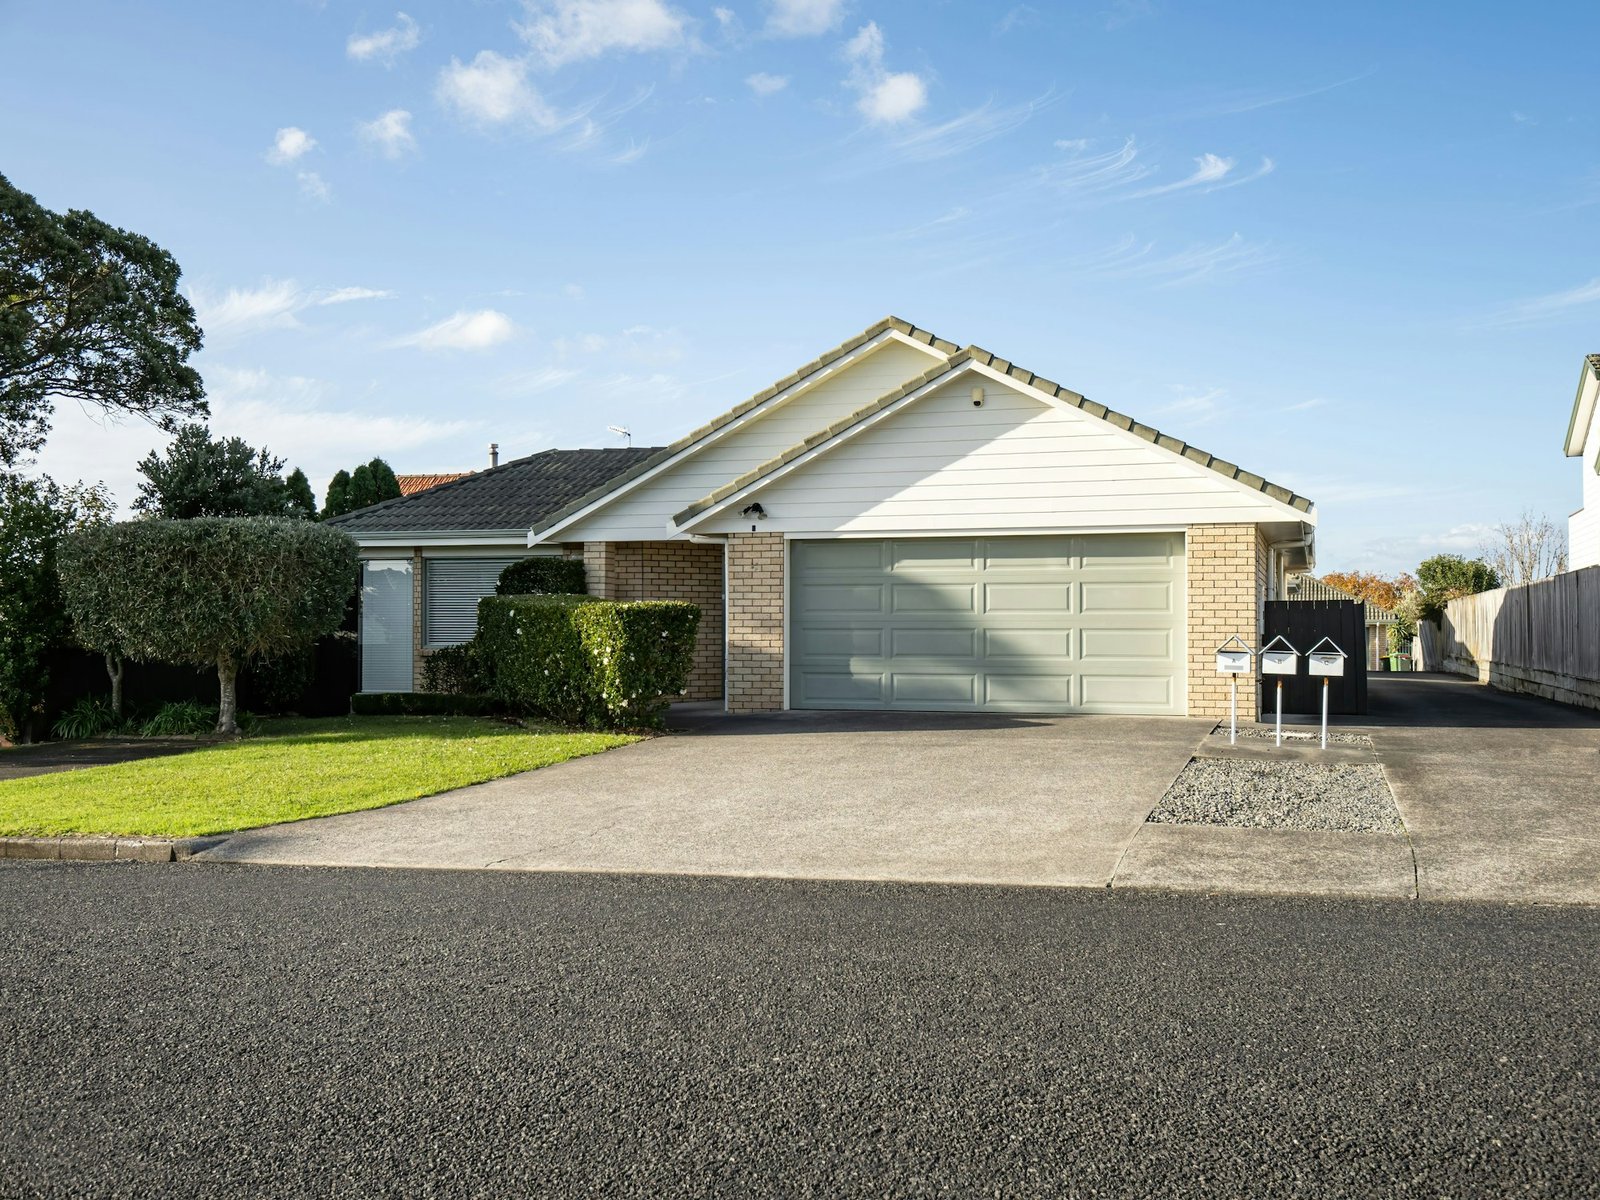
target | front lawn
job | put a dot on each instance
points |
(291, 770)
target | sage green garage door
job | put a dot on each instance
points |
(1016, 624)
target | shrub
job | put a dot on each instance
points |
(422, 704)
(455, 669)
(600, 663)
(275, 683)
(543, 577)
(179, 718)
(90, 716)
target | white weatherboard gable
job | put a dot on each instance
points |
(643, 510)
(1583, 527)
(934, 462)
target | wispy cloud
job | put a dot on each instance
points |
(1132, 259)
(494, 90)
(532, 382)
(390, 134)
(313, 186)
(1125, 12)
(479, 330)
(763, 84)
(566, 31)
(386, 45)
(1197, 406)
(1249, 101)
(1083, 171)
(273, 305)
(634, 152)
(802, 18)
(1022, 16)
(1552, 307)
(971, 128)
(884, 97)
(1211, 173)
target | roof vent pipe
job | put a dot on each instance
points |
(494, 454)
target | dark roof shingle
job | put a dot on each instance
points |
(513, 496)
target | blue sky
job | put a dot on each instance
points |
(1351, 247)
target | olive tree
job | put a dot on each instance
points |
(210, 591)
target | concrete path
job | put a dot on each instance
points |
(1500, 793)
(925, 797)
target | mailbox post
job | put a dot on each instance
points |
(1278, 657)
(1234, 658)
(1327, 660)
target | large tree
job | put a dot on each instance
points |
(88, 312)
(370, 483)
(202, 476)
(1384, 591)
(1446, 577)
(216, 591)
(1527, 550)
(35, 514)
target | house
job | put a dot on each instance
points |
(901, 523)
(1583, 443)
(1378, 620)
(410, 485)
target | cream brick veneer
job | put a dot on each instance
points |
(1227, 568)
(755, 622)
(668, 571)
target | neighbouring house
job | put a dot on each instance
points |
(410, 485)
(1378, 620)
(902, 523)
(1583, 443)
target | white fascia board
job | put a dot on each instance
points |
(1583, 406)
(474, 537)
(799, 387)
(944, 380)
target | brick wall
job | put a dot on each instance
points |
(1227, 567)
(755, 622)
(668, 571)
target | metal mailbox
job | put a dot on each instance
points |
(1325, 658)
(1278, 657)
(1234, 657)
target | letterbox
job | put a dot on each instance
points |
(1278, 657)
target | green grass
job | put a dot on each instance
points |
(291, 770)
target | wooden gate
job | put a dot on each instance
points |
(1304, 623)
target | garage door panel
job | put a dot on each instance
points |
(1107, 597)
(940, 688)
(933, 643)
(1027, 597)
(933, 597)
(1018, 624)
(1054, 644)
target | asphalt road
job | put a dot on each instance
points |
(219, 1030)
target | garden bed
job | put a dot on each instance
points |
(1249, 793)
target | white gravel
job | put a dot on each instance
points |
(1299, 735)
(1280, 795)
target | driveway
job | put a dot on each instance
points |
(926, 797)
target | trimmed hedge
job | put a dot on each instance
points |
(455, 669)
(422, 704)
(543, 577)
(601, 663)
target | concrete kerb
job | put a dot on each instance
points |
(106, 849)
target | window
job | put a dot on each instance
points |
(452, 588)
(386, 625)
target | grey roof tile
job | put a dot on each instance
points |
(513, 496)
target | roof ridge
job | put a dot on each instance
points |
(984, 358)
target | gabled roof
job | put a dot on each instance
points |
(980, 357)
(666, 453)
(1583, 407)
(1309, 587)
(410, 485)
(507, 498)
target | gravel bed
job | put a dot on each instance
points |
(1299, 735)
(1280, 795)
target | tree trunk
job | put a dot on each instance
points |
(114, 666)
(228, 708)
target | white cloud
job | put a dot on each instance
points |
(493, 90)
(390, 134)
(313, 186)
(463, 331)
(1130, 259)
(1550, 307)
(564, 31)
(972, 128)
(1195, 407)
(886, 98)
(763, 84)
(273, 305)
(803, 18)
(291, 143)
(634, 152)
(387, 44)
(1210, 172)
(1086, 172)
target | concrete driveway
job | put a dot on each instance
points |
(927, 797)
